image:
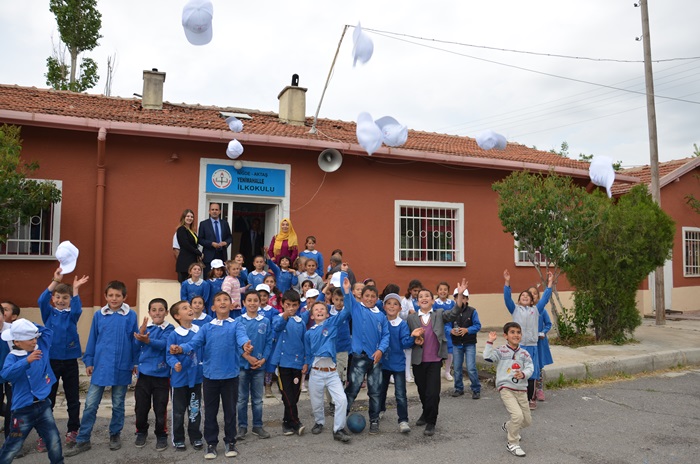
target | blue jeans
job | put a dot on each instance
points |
(37, 416)
(399, 393)
(363, 364)
(92, 403)
(250, 383)
(461, 353)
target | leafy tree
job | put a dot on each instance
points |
(564, 152)
(19, 197)
(79, 24)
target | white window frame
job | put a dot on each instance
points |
(686, 265)
(521, 263)
(55, 232)
(458, 238)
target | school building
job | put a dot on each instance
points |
(128, 167)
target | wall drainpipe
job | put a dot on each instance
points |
(99, 218)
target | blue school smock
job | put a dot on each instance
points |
(203, 318)
(399, 339)
(343, 343)
(214, 288)
(190, 289)
(191, 373)
(152, 355)
(289, 350)
(285, 279)
(319, 340)
(255, 278)
(219, 340)
(543, 351)
(259, 331)
(369, 325)
(64, 324)
(316, 256)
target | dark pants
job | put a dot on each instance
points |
(158, 389)
(530, 389)
(35, 416)
(399, 393)
(363, 364)
(7, 409)
(225, 390)
(289, 382)
(186, 399)
(67, 369)
(427, 378)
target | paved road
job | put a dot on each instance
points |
(647, 420)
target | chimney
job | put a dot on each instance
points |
(152, 98)
(293, 103)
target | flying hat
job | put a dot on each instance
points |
(489, 139)
(369, 135)
(362, 46)
(197, 21)
(263, 287)
(21, 330)
(394, 134)
(602, 173)
(335, 280)
(67, 255)
(235, 124)
(234, 149)
(311, 293)
(216, 263)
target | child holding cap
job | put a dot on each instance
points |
(31, 376)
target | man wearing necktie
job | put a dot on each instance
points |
(252, 243)
(214, 236)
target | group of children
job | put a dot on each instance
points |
(190, 362)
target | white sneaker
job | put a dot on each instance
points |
(404, 427)
(515, 450)
(449, 377)
(410, 380)
(391, 380)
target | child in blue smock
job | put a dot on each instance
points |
(312, 253)
(195, 285)
(215, 279)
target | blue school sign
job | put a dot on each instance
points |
(245, 181)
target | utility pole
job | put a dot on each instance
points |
(659, 300)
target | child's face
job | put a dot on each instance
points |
(535, 294)
(425, 299)
(157, 312)
(234, 270)
(525, 299)
(7, 313)
(222, 306)
(258, 263)
(61, 300)
(310, 301)
(197, 306)
(310, 266)
(26, 345)
(370, 282)
(185, 314)
(319, 313)
(301, 265)
(310, 245)
(306, 286)
(513, 336)
(219, 272)
(392, 308)
(269, 281)
(290, 307)
(357, 290)
(414, 292)
(443, 291)
(115, 298)
(338, 301)
(369, 298)
(264, 298)
(239, 259)
(252, 303)
(284, 263)
(196, 272)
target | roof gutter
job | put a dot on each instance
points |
(209, 135)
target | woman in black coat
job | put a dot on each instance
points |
(187, 239)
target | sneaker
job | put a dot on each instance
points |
(449, 377)
(180, 446)
(303, 387)
(242, 432)
(197, 444)
(71, 438)
(429, 430)
(341, 436)
(287, 430)
(515, 450)
(381, 415)
(115, 442)
(391, 380)
(404, 427)
(231, 451)
(373, 428)
(300, 430)
(539, 395)
(533, 405)
(410, 380)
(211, 452)
(457, 393)
(161, 443)
(318, 428)
(476, 395)
(268, 391)
(77, 449)
(140, 441)
(260, 432)
(40, 446)
(420, 421)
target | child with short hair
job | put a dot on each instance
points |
(61, 309)
(343, 343)
(257, 275)
(195, 285)
(200, 316)
(310, 252)
(269, 312)
(216, 279)
(514, 367)
(110, 342)
(185, 379)
(463, 335)
(153, 384)
(32, 378)
(219, 340)
(10, 311)
(252, 375)
(394, 363)
(232, 286)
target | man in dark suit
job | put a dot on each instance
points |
(214, 236)
(252, 243)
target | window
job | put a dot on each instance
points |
(429, 233)
(36, 238)
(522, 257)
(691, 252)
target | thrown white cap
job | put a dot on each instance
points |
(335, 280)
(234, 149)
(311, 293)
(235, 124)
(489, 139)
(394, 134)
(216, 264)
(67, 255)
(362, 46)
(465, 292)
(197, 21)
(21, 330)
(263, 287)
(602, 172)
(369, 135)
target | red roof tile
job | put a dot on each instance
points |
(644, 174)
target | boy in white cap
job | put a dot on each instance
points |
(31, 376)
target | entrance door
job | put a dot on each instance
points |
(668, 286)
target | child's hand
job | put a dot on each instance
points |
(57, 275)
(550, 279)
(347, 286)
(175, 349)
(89, 369)
(135, 370)
(34, 356)
(248, 347)
(506, 276)
(143, 338)
(266, 249)
(461, 287)
(77, 283)
(377, 356)
(144, 326)
(178, 367)
(418, 332)
(304, 369)
(519, 375)
(492, 336)
(344, 267)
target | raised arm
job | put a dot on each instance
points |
(547, 293)
(507, 298)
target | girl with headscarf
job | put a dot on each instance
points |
(284, 243)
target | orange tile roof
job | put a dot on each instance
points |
(643, 173)
(99, 107)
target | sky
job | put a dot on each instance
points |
(437, 66)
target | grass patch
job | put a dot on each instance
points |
(579, 340)
(562, 382)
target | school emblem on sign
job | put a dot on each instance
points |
(221, 179)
